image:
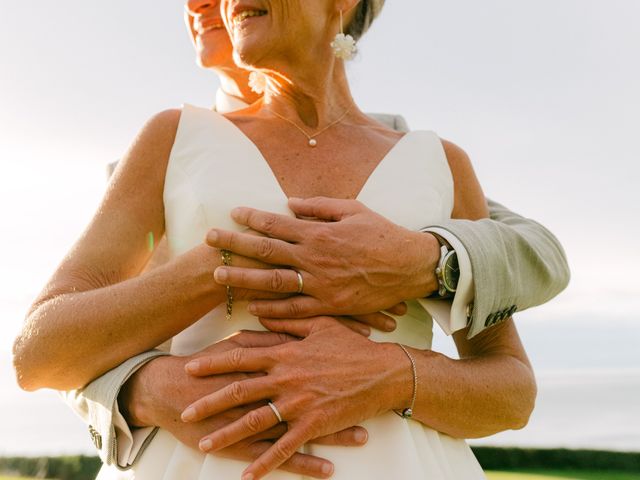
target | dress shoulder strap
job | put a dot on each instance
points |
(419, 164)
(199, 130)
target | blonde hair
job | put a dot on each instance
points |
(366, 13)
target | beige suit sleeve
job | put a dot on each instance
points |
(97, 405)
(516, 264)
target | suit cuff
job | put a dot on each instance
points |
(453, 315)
(129, 442)
(107, 427)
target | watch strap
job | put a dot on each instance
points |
(444, 291)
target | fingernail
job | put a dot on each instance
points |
(360, 436)
(390, 324)
(205, 445)
(252, 309)
(191, 367)
(248, 476)
(188, 415)
(212, 237)
(220, 274)
(327, 469)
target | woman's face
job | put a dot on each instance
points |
(209, 36)
(265, 33)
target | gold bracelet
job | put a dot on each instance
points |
(226, 261)
(408, 412)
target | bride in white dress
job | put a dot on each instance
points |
(185, 173)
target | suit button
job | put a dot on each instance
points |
(96, 438)
(493, 318)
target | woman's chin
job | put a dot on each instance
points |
(248, 56)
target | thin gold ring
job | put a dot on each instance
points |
(226, 261)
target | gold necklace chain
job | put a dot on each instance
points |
(312, 138)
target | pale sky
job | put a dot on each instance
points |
(544, 96)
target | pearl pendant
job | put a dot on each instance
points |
(312, 142)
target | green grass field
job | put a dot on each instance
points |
(561, 475)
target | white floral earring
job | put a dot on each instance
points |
(257, 82)
(344, 46)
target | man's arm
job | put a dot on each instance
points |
(97, 405)
(516, 263)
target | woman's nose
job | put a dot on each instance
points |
(196, 7)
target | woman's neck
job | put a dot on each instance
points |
(315, 98)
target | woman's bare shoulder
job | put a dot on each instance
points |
(165, 121)
(469, 200)
(157, 135)
(161, 127)
(148, 154)
(110, 249)
(459, 161)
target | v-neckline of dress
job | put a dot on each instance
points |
(263, 161)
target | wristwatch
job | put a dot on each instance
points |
(447, 271)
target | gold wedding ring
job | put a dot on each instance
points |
(300, 282)
(275, 410)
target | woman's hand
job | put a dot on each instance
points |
(239, 293)
(332, 379)
(276, 288)
(353, 261)
(273, 285)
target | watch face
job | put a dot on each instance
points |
(451, 273)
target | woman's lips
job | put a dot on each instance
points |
(240, 17)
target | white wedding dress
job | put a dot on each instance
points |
(213, 168)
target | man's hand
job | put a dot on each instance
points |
(158, 392)
(352, 262)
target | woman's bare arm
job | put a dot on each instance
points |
(491, 388)
(95, 312)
